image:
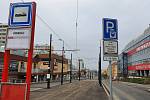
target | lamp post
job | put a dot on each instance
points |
(62, 76)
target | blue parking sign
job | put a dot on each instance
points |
(110, 29)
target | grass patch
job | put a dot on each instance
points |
(137, 80)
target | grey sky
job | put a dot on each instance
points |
(133, 17)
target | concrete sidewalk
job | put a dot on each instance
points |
(83, 90)
(128, 91)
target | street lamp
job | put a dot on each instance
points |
(62, 76)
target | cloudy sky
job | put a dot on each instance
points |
(133, 17)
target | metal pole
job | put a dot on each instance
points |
(62, 64)
(71, 69)
(110, 79)
(30, 53)
(90, 75)
(79, 69)
(6, 66)
(99, 71)
(49, 66)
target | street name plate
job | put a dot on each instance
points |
(110, 58)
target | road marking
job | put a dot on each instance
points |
(35, 89)
(107, 92)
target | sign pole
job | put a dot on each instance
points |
(30, 52)
(99, 70)
(6, 66)
(110, 80)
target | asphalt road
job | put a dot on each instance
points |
(122, 91)
(83, 90)
(37, 86)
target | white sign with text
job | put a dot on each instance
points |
(18, 38)
(110, 50)
(110, 47)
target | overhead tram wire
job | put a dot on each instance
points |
(50, 28)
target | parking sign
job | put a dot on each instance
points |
(110, 29)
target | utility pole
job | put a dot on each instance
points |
(88, 74)
(49, 66)
(79, 69)
(71, 69)
(62, 75)
(99, 64)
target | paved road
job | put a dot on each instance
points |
(37, 86)
(123, 91)
(83, 90)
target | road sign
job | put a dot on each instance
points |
(20, 14)
(110, 50)
(110, 47)
(18, 38)
(110, 29)
(110, 58)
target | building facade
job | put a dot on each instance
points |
(56, 65)
(135, 57)
(18, 67)
(42, 49)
